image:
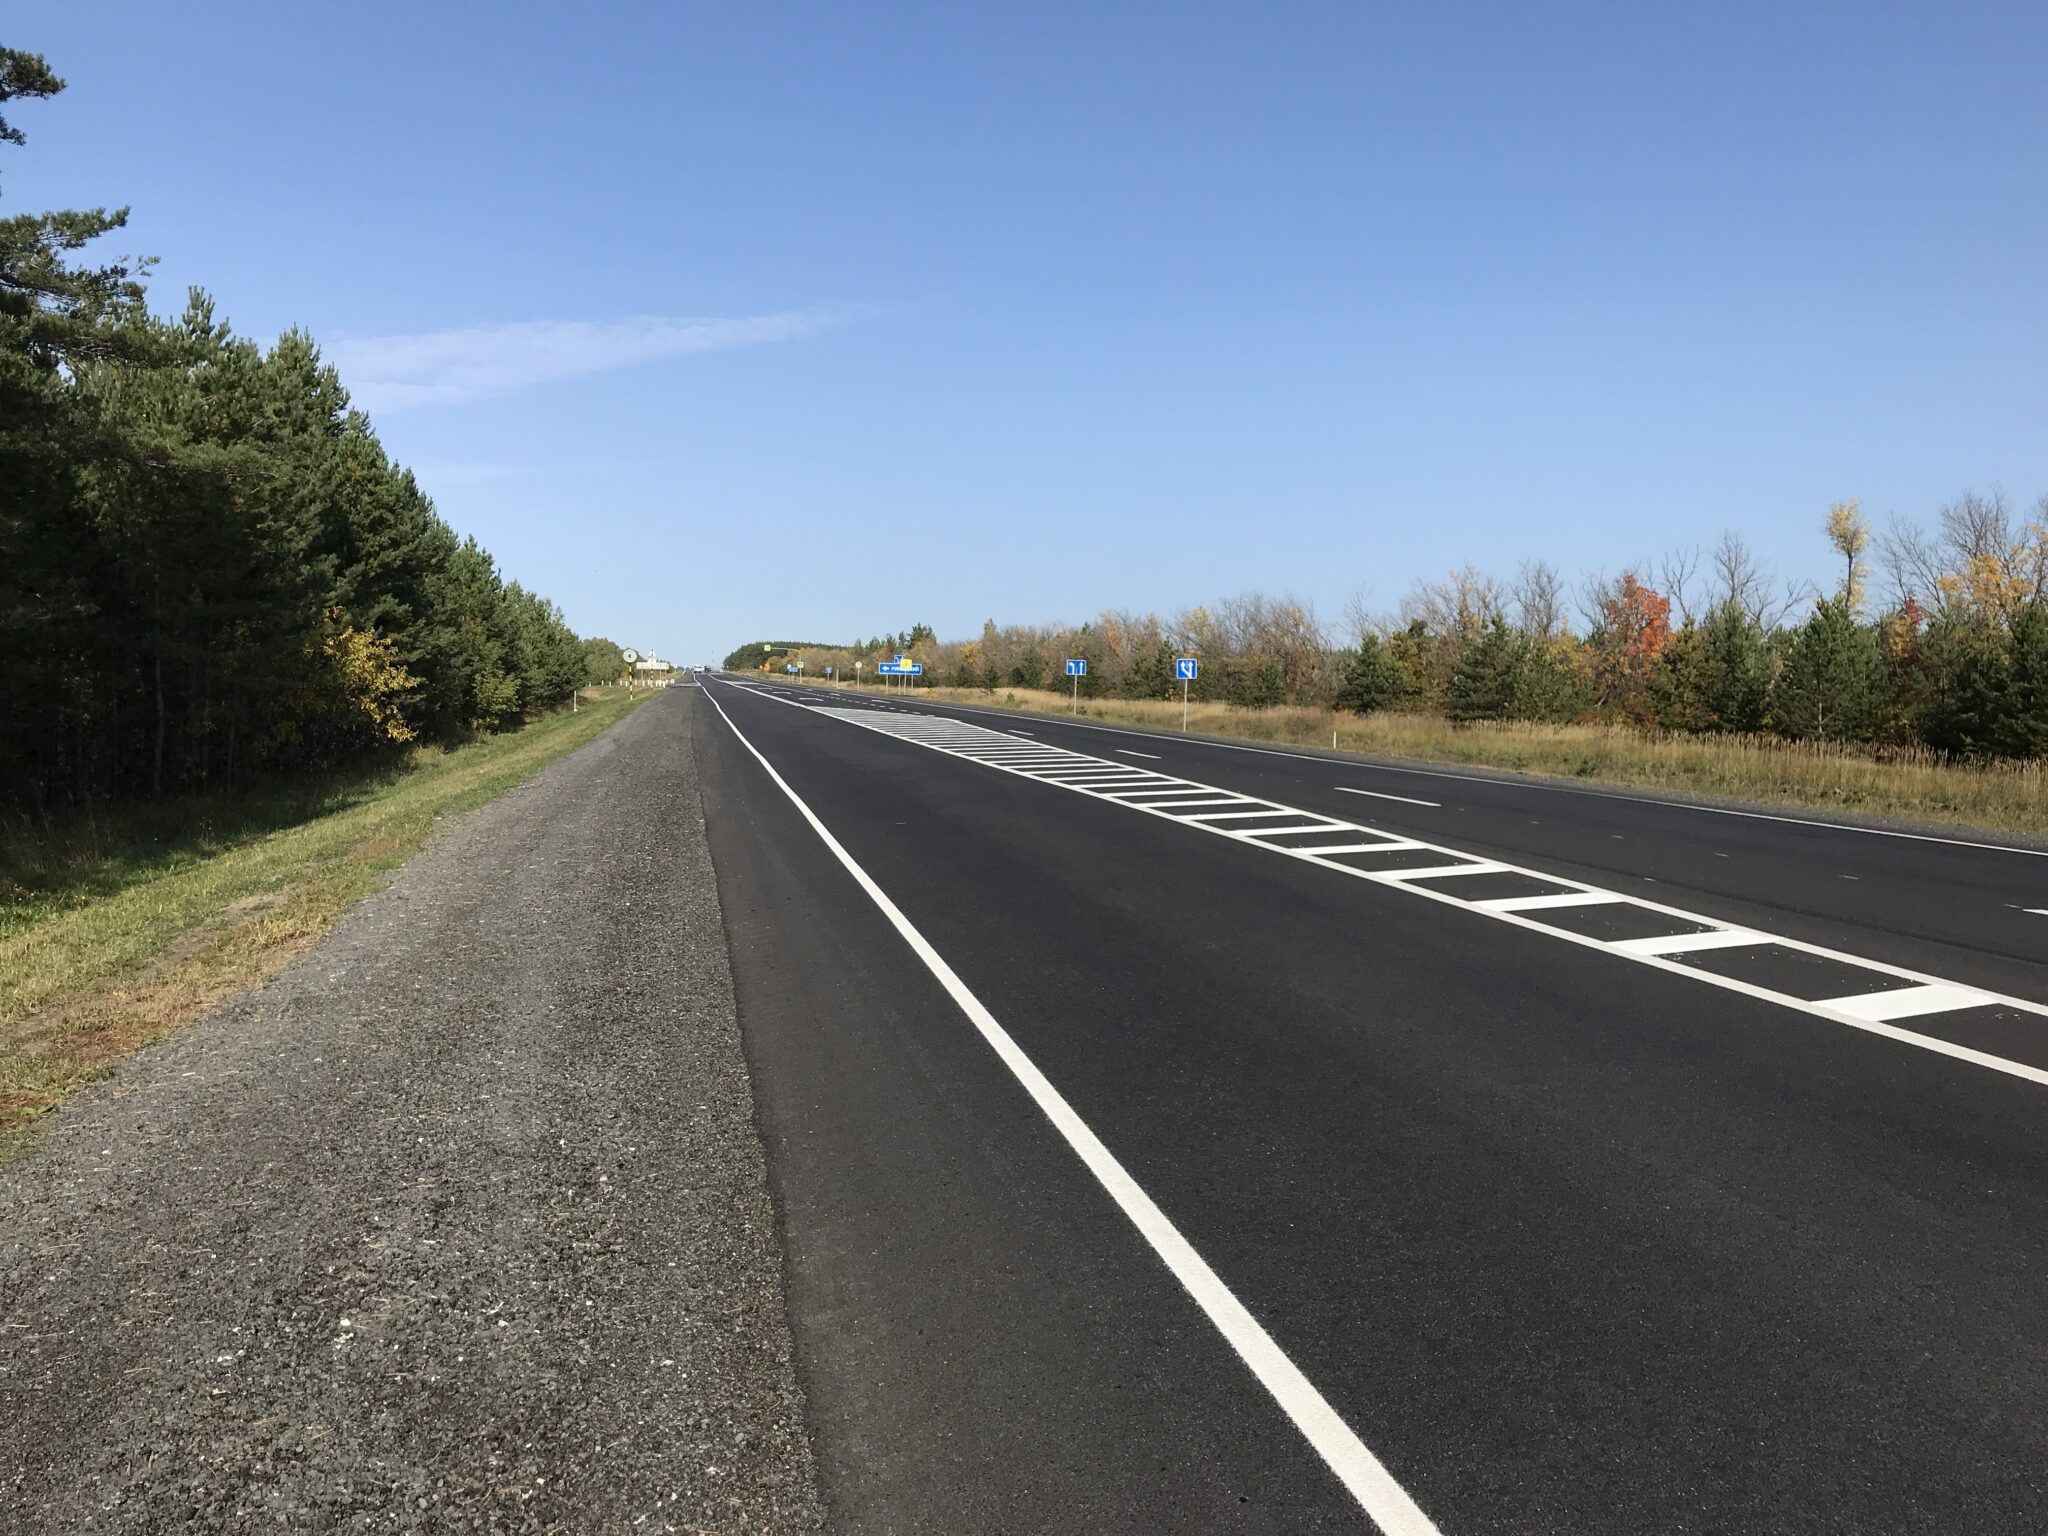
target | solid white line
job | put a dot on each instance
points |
(1688, 943)
(2037, 911)
(1531, 783)
(1264, 810)
(1127, 752)
(1384, 1501)
(1544, 903)
(1346, 789)
(1444, 871)
(1907, 1002)
(1396, 845)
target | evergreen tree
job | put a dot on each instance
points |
(1549, 682)
(2020, 723)
(1487, 675)
(1373, 678)
(1832, 685)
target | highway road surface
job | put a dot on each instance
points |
(1174, 1137)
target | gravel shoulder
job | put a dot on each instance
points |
(460, 1224)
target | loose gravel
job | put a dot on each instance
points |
(461, 1224)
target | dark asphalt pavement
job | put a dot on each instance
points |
(1570, 1243)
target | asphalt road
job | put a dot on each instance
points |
(1142, 1168)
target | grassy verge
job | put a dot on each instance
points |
(1908, 784)
(116, 930)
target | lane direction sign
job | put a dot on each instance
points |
(1184, 673)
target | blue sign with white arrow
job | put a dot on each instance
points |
(901, 668)
(1184, 669)
(1077, 667)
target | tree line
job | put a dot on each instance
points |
(1934, 634)
(210, 569)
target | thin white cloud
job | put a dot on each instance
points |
(391, 373)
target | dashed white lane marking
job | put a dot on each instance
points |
(1127, 752)
(1384, 1501)
(960, 738)
(2037, 911)
(1346, 789)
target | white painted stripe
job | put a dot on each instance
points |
(1906, 1002)
(2037, 911)
(1385, 1502)
(1444, 871)
(1264, 810)
(1346, 789)
(1307, 826)
(1544, 903)
(1694, 974)
(1393, 846)
(1127, 752)
(1689, 943)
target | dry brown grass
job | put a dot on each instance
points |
(1907, 784)
(109, 942)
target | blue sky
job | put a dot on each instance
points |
(716, 322)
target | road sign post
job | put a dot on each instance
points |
(1184, 670)
(1077, 668)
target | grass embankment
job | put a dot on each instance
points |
(1906, 783)
(117, 929)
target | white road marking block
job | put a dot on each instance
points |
(1907, 1002)
(1545, 903)
(1688, 943)
(1445, 871)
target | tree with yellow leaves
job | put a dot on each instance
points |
(1849, 532)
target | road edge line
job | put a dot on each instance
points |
(1363, 1475)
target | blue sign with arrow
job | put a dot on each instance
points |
(1184, 669)
(1077, 667)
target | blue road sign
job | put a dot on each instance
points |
(1077, 667)
(790, 670)
(901, 668)
(1184, 669)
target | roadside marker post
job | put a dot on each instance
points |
(1184, 670)
(1077, 668)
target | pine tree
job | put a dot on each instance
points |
(1373, 678)
(1488, 672)
(1832, 685)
